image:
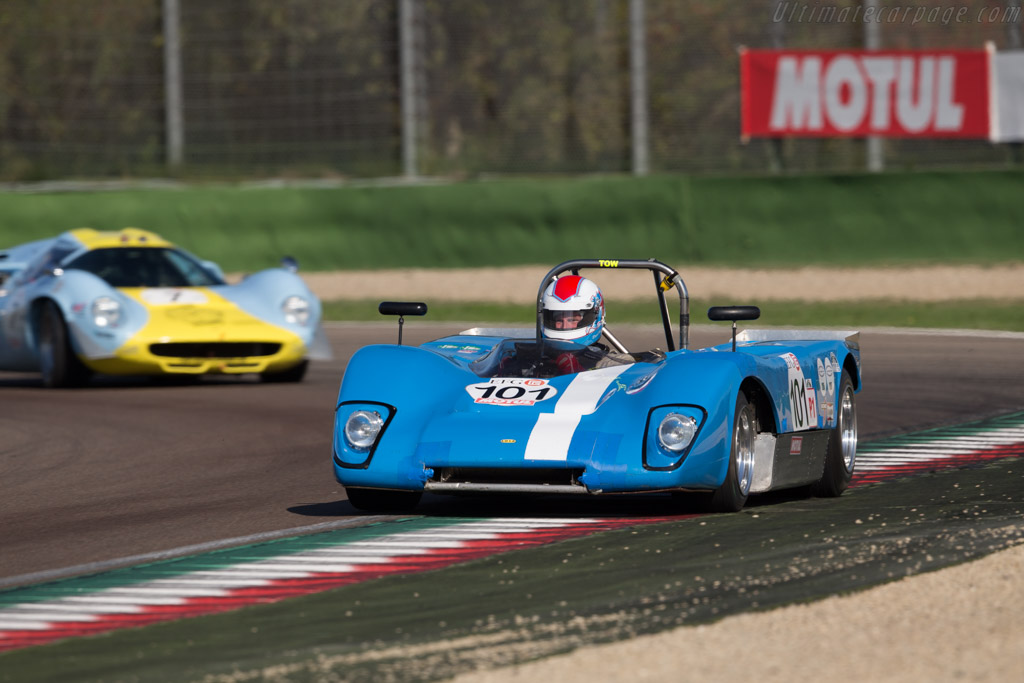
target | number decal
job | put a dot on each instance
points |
(803, 398)
(511, 391)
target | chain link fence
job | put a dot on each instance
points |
(459, 88)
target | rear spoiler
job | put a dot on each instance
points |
(851, 337)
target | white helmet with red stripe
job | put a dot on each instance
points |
(572, 309)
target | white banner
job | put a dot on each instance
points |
(1008, 82)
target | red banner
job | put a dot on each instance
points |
(924, 94)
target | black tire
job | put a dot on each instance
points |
(58, 363)
(292, 374)
(731, 496)
(377, 500)
(841, 455)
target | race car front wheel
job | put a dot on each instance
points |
(57, 361)
(842, 444)
(731, 496)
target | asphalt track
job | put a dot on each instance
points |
(132, 467)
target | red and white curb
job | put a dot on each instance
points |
(429, 546)
(913, 456)
(284, 576)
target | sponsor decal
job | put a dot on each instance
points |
(894, 93)
(640, 383)
(196, 316)
(511, 391)
(165, 296)
(508, 441)
(796, 445)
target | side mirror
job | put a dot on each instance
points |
(290, 264)
(733, 313)
(402, 309)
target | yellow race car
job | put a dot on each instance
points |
(129, 302)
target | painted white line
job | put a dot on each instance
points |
(354, 548)
(402, 543)
(123, 600)
(243, 572)
(350, 558)
(17, 617)
(156, 591)
(186, 580)
(42, 608)
(321, 568)
(447, 535)
(24, 626)
(146, 558)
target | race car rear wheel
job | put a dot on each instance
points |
(58, 363)
(842, 444)
(731, 496)
(376, 500)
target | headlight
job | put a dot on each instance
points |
(362, 428)
(106, 312)
(676, 432)
(296, 310)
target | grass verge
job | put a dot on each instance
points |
(891, 218)
(980, 314)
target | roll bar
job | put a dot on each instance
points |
(662, 284)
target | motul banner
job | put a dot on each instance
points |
(925, 94)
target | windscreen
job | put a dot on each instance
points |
(145, 267)
(521, 358)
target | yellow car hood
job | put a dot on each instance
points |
(196, 314)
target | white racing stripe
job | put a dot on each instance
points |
(553, 432)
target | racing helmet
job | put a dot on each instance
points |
(572, 309)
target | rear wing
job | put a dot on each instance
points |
(851, 337)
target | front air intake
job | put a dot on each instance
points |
(214, 349)
(510, 480)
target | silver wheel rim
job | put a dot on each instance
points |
(744, 445)
(848, 429)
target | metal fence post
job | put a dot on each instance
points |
(638, 86)
(873, 41)
(173, 114)
(408, 87)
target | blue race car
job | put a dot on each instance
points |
(130, 303)
(496, 411)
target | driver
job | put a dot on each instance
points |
(572, 309)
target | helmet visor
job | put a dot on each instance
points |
(569, 320)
